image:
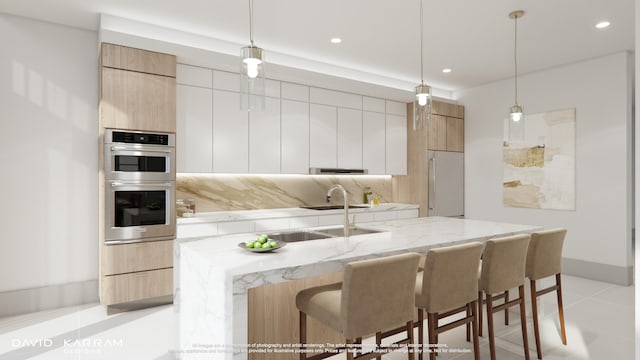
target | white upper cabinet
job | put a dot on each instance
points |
(295, 136)
(373, 104)
(322, 136)
(396, 108)
(230, 133)
(194, 137)
(223, 80)
(301, 127)
(374, 142)
(264, 139)
(335, 98)
(396, 144)
(194, 76)
(295, 92)
(349, 138)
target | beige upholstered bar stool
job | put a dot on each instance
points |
(447, 286)
(375, 295)
(503, 267)
(544, 259)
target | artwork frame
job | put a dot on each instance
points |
(539, 161)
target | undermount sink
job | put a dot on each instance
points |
(333, 207)
(352, 232)
(295, 236)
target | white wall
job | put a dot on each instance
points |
(599, 231)
(48, 154)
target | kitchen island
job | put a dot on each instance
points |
(217, 275)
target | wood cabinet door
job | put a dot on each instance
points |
(455, 134)
(137, 101)
(437, 133)
(127, 258)
(137, 286)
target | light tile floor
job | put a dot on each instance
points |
(599, 319)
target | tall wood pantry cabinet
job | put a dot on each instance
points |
(137, 92)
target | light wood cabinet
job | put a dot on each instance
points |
(274, 317)
(137, 92)
(127, 58)
(128, 258)
(455, 134)
(446, 133)
(137, 101)
(137, 89)
(136, 286)
(437, 133)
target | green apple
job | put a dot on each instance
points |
(266, 245)
(249, 245)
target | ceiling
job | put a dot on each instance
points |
(381, 38)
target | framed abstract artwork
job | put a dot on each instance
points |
(539, 157)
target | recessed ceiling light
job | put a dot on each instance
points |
(603, 24)
(336, 40)
(446, 71)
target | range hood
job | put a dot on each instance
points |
(337, 171)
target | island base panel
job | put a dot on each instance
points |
(274, 318)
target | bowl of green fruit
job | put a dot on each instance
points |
(262, 244)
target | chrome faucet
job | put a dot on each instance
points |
(346, 206)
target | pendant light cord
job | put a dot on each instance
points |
(251, 21)
(421, 45)
(515, 55)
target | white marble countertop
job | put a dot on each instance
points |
(238, 215)
(216, 273)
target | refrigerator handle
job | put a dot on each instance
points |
(432, 183)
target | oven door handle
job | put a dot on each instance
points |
(124, 148)
(119, 184)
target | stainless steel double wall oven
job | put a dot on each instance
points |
(139, 186)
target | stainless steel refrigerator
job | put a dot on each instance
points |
(446, 183)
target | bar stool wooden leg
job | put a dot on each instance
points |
(468, 325)
(561, 309)
(506, 311)
(411, 340)
(474, 323)
(523, 322)
(349, 349)
(480, 313)
(432, 320)
(534, 310)
(492, 343)
(303, 335)
(420, 333)
(378, 343)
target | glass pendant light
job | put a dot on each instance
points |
(252, 84)
(516, 113)
(422, 101)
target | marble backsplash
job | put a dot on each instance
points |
(215, 192)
